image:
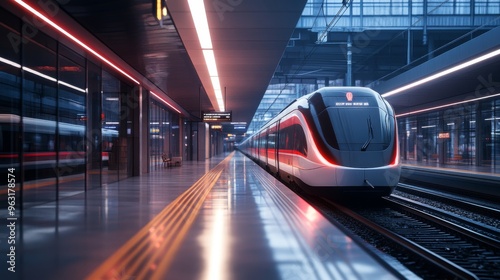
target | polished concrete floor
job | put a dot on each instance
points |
(220, 219)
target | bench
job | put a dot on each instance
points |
(166, 160)
(176, 161)
(169, 162)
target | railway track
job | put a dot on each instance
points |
(430, 246)
(479, 216)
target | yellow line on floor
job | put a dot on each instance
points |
(148, 254)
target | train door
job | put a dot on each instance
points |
(277, 144)
(272, 135)
(285, 146)
(262, 148)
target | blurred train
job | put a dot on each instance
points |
(339, 140)
(39, 145)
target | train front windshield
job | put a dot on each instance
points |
(360, 122)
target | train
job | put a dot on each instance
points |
(340, 140)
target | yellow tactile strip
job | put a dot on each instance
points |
(148, 254)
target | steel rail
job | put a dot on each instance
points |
(443, 263)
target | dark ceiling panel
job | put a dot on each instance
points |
(249, 38)
(157, 52)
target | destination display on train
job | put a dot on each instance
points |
(350, 100)
(352, 104)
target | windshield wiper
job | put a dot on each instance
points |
(370, 135)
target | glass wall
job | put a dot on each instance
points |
(10, 105)
(110, 116)
(467, 135)
(489, 133)
(167, 138)
(401, 7)
(39, 117)
(66, 123)
(71, 101)
(160, 125)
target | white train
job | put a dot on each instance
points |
(341, 139)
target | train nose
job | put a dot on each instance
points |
(387, 176)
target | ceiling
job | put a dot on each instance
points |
(382, 58)
(256, 44)
(248, 38)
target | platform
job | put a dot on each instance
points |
(467, 179)
(221, 219)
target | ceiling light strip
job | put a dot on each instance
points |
(210, 61)
(444, 73)
(164, 101)
(199, 15)
(71, 86)
(39, 74)
(73, 38)
(6, 61)
(11, 63)
(447, 105)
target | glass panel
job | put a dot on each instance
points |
(72, 127)
(39, 121)
(159, 128)
(126, 141)
(487, 7)
(490, 134)
(111, 144)
(154, 136)
(10, 86)
(175, 149)
(496, 136)
(458, 128)
(95, 156)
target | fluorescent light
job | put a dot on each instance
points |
(73, 38)
(199, 15)
(210, 61)
(443, 73)
(6, 61)
(11, 63)
(164, 101)
(39, 74)
(220, 101)
(71, 86)
(215, 83)
(447, 105)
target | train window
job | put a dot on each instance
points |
(300, 140)
(355, 121)
(293, 139)
(366, 130)
(271, 138)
